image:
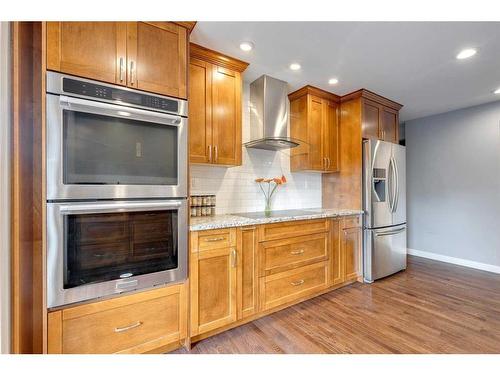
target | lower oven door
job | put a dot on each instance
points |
(95, 249)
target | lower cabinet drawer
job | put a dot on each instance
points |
(288, 286)
(131, 324)
(280, 255)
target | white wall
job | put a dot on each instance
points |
(235, 188)
(453, 180)
(4, 188)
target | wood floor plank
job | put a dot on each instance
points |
(432, 307)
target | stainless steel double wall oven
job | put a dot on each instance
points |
(116, 189)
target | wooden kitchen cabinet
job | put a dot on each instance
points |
(213, 280)
(314, 121)
(150, 56)
(157, 57)
(346, 262)
(96, 50)
(247, 275)
(215, 107)
(380, 117)
(151, 321)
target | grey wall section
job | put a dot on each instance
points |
(5, 126)
(453, 183)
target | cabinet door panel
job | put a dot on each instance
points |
(330, 136)
(213, 293)
(337, 258)
(351, 243)
(226, 116)
(200, 111)
(157, 56)
(315, 132)
(247, 272)
(389, 125)
(371, 118)
(94, 50)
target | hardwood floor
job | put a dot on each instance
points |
(432, 307)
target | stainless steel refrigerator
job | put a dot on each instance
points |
(384, 203)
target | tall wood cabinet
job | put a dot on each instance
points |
(314, 120)
(149, 56)
(215, 107)
(363, 114)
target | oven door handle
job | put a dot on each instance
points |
(100, 108)
(113, 207)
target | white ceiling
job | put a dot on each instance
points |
(412, 63)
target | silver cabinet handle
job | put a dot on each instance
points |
(234, 260)
(297, 283)
(215, 239)
(209, 153)
(324, 163)
(132, 72)
(216, 152)
(122, 70)
(329, 163)
(297, 252)
(123, 329)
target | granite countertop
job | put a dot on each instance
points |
(234, 220)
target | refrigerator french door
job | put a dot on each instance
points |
(384, 201)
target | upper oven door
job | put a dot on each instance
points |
(97, 150)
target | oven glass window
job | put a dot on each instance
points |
(102, 247)
(111, 150)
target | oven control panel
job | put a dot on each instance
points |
(94, 90)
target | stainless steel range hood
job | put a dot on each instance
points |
(269, 115)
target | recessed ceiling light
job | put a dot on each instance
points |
(497, 91)
(246, 46)
(466, 53)
(333, 81)
(294, 66)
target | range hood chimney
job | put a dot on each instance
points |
(269, 115)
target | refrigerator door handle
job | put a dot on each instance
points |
(390, 185)
(396, 192)
(390, 232)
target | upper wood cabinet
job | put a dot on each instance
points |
(380, 116)
(215, 107)
(150, 56)
(314, 120)
(157, 57)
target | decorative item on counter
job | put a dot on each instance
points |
(269, 190)
(202, 205)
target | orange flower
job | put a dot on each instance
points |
(277, 181)
(283, 179)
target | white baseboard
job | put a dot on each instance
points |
(453, 260)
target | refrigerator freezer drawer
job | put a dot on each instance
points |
(384, 252)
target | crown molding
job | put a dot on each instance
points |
(311, 90)
(367, 94)
(199, 52)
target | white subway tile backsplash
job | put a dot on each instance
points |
(236, 189)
